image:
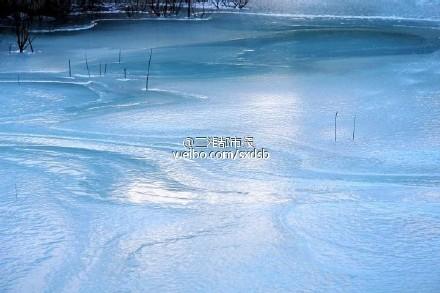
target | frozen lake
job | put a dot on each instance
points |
(92, 199)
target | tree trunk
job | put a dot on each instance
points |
(189, 8)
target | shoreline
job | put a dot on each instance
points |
(119, 15)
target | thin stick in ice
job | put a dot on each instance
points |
(87, 66)
(354, 126)
(148, 70)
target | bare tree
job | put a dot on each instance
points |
(22, 31)
(189, 8)
(243, 4)
(217, 3)
(240, 4)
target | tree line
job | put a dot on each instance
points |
(22, 14)
(60, 9)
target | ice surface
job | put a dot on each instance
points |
(388, 8)
(93, 201)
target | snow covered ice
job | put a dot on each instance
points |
(92, 199)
